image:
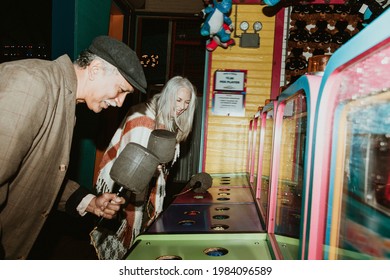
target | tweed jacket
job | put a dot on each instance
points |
(37, 118)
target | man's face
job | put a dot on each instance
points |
(107, 87)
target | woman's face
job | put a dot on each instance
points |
(182, 101)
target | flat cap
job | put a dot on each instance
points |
(122, 57)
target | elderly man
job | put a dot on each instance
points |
(37, 115)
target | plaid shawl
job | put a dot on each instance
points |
(136, 127)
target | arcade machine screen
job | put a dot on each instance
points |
(364, 227)
(291, 170)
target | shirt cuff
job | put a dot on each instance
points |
(84, 204)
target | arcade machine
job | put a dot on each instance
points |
(283, 192)
(219, 223)
(350, 213)
(215, 216)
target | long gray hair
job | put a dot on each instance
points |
(163, 103)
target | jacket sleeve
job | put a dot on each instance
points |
(71, 197)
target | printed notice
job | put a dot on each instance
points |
(226, 104)
(230, 80)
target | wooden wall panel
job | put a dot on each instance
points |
(226, 137)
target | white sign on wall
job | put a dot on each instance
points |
(229, 104)
(229, 93)
(229, 81)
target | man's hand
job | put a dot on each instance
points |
(105, 205)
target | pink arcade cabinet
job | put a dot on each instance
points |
(289, 157)
(350, 181)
